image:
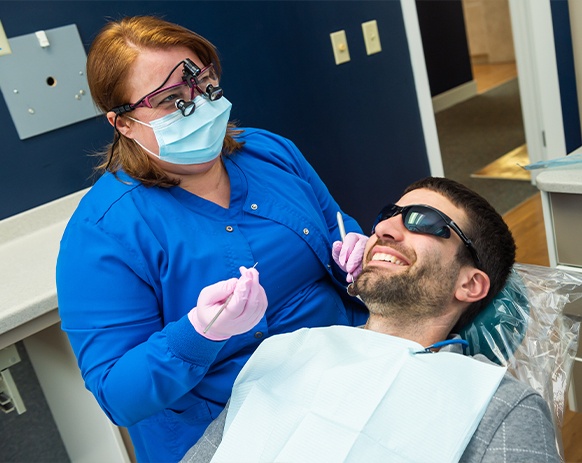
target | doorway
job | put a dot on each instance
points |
(490, 41)
(492, 55)
(482, 138)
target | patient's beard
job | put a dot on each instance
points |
(411, 295)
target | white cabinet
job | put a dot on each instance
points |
(562, 203)
(29, 244)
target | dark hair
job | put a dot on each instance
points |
(109, 61)
(485, 228)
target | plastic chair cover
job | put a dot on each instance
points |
(525, 328)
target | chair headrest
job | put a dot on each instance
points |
(499, 328)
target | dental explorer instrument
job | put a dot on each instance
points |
(342, 230)
(340, 223)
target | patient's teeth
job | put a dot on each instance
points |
(387, 258)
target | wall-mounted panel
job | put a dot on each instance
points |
(43, 81)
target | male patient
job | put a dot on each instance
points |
(400, 389)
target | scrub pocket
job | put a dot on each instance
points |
(173, 432)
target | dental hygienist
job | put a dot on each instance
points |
(158, 271)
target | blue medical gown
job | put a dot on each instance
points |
(133, 260)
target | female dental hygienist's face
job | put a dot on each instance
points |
(147, 74)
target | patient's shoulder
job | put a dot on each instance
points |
(512, 391)
(517, 422)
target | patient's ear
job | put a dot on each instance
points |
(473, 285)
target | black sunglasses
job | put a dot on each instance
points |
(427, 220)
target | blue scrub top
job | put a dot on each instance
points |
(134, 259)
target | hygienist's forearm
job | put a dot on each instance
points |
(153, 375)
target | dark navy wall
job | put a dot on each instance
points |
(444, 39)
(357, 123)
(566, 74)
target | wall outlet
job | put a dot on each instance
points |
(4, 45)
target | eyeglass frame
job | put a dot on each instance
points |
(392, 210)
(189, 77)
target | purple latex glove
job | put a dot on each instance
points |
(348, 254)
(244, 310)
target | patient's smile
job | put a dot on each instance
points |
(387, 256)
(380, 256)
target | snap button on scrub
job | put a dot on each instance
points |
(229, 228)
(306, 231)
(254, 207)
(259, 334)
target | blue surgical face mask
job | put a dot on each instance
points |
(194, 139)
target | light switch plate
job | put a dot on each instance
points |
(339, 43)
(371, 37)
(4, 45)
(44, 83)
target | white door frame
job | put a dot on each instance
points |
(535, 55)
(425, 106)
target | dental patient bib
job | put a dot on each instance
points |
(343, 394)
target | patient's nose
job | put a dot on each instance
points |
(391, 228)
